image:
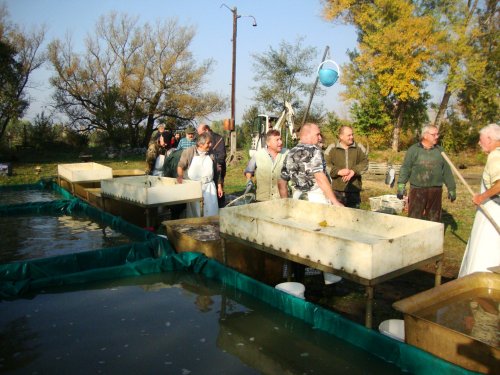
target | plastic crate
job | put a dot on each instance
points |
(387, 203)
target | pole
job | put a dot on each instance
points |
(232, 132)
(233, 87)
(460, 177)
(314, 89)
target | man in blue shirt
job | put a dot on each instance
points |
(188, 140)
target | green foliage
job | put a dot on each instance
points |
(316, 114)
(284, 75)
(43, 132)
(19, 57)
(246, 130)
(386, 75)
(333, 124)
(12, 103)
(18, 133)
(456, 134)
(480, 97)
(416, 112)
(370, 116)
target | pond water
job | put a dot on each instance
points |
(33, 237)
(26, 196)
(172, 323)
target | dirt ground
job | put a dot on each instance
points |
(348, 298)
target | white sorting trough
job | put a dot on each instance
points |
(361, 243)
(151, 190)
(84, 172)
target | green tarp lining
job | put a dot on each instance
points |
(154, 254)
(19, 279)
(77, 206)
(139, 259)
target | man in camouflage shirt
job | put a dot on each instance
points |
(305, 168)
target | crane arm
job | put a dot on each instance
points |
(287, 117)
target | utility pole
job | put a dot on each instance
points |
(232, 133)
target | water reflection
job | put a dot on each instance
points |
(176, 323)
(33, 237)
(22, 345)
(25, 196)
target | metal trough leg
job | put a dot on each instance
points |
(369, 306)
(223, 246)
(439, 270)
(148, 218)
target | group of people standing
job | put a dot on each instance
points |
(305, 172)
(335, 177)
(199, 156)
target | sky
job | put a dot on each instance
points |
(277, 21)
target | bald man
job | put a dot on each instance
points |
(304, 166)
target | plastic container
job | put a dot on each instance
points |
(328, 76)
(388, 203)
(394, 328)
(293, 288)
(330, 278)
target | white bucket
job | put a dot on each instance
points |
(394, 328)
(293, 288)
(330, 278)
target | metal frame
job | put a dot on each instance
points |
(368, 283)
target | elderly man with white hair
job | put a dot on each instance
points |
(483, 247)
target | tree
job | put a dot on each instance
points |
(283, 74)
(131, 76)
(460, 59)
(396, 46)
(479, 99)
(247, 127)
(19, 57)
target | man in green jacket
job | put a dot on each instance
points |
(426, 170)
(346, 162)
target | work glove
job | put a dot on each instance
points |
(249, 186)
(452, 195)
(401, 191)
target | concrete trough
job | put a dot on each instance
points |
(151, 190)
(357, 242)
(84, 172)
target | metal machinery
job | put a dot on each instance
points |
(263, 123)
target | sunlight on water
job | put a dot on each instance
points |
(33, 237)
(25, 196)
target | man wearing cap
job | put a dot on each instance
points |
(163, 138)
(188, 140)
